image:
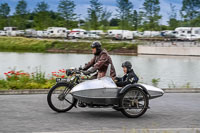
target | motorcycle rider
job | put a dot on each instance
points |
(129, 76)
(99, 63)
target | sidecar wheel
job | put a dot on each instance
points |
(59, 98)
(134, 102)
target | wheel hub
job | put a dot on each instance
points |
(61, 97)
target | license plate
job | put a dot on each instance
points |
(62, 80)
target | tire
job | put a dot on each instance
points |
(62, 96)
(130, 100)
(116, 108)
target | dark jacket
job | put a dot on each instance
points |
(100, 62)
(129, 78)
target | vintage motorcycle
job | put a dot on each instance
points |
(132, 100)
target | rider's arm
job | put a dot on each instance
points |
(89, 64)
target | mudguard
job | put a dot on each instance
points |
(139, 86)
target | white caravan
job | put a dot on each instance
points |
(2, 33)
(120, 34)
(97, 32)
(151, 33)
(10, 31)
(169, 33)
(30, 33)
(78, 30)
(9, 28)
(41, 33)
(76, 33)
(89, 35)
(137, 34)
(57, 32)
(188, 33)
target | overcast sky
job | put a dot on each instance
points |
(82, 5)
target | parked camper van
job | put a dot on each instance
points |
(151, 34)
(120, 34)
(137, 34)
(78, 30)
(76, 33)
(42, 34)
(90, 35)
(10, 31)
(97, 32)
(188, 33)
(57, 32)
(30, 33)
(168, 33)
(9, 28)
(2, 33)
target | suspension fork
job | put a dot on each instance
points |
(68, 89)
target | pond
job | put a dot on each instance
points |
(173, 71)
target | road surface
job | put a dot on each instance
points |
(30, 113)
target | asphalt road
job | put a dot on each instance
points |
(30, 113)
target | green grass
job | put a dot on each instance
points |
(35, 45)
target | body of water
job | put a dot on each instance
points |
(172, 70)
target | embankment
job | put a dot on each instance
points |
(21, 44)
(173, 50)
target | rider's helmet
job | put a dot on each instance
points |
(127, 64)
(97, 45)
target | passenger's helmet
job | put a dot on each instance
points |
(127, 64)
(96, 45)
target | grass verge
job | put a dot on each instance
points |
(17, 44)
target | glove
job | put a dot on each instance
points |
(80, 68)
(92, 70)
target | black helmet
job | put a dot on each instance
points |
(97, 45)
(127, 64)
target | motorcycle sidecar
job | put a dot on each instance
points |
(132, 100)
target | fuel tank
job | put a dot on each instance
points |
(101, 91)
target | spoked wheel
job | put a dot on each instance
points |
(60, 99)
(134, 103)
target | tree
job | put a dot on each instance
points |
(152, 9)
(135, 20)
(66, 9)
(173, 22)
(42, 19)
(105, 19)
(140, 20)
(21, 14)
(94, 14)
(124, 9)
(114, 22)
(4, 12)
(21, 8)
(42, 7)
(190, 9)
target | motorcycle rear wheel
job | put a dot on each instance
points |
(134, 102)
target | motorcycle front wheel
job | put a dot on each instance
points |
(60, 99)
